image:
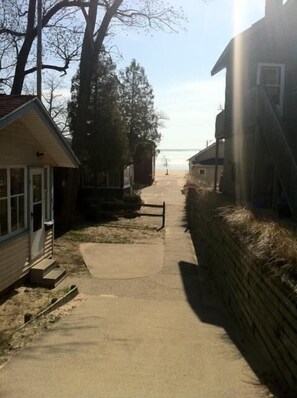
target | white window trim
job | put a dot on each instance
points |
(282, 85)
(49, 193)
(19, 231)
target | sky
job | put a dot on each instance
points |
(178, 65)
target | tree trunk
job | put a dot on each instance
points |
(23, 55)
(88, 64)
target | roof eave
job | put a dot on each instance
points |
(36, 105)
(56, 132)
(222, 62)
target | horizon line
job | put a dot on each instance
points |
(178, 149)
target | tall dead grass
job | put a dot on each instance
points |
(274, 246)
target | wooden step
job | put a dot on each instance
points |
(47, 273)
(41, 269)
(53, 278)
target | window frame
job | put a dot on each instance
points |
(9, 197)
(48, 194)
(281, 85)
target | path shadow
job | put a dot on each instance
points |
(200, 292)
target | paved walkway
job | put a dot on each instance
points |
(154, 336)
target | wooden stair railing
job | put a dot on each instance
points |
(274, 133)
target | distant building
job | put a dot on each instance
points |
(203, 164)
(145, 165)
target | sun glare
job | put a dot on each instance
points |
(239, 13)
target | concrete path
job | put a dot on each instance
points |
(156, 336)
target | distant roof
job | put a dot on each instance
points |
(207, 149)
(9, 103)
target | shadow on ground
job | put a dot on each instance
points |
(204, 300)
(200, 293)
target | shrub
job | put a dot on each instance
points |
(132, 198)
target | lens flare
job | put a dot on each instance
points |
(238, 102)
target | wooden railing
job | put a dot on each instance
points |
(162, 215)
(275, 137)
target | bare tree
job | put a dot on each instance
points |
(56, 102)
(59, 23)
(18, 32)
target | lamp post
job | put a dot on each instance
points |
(165, 164)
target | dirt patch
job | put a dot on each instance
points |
(14, 306)
(137, 230)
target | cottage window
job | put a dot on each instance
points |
(12, 200)
(202, 172)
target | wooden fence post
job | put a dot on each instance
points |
(163, 215)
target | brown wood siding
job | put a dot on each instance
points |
(14, 260)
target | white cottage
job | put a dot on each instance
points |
(203, 164)
(30, 146)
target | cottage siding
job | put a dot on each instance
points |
(209, 173)
(49, 243)
(14, 260)
(16, 147)
(15, 257)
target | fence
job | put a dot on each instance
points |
(163, 214)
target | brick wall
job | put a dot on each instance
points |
(264, 307)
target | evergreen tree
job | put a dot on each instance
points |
(105, 148)
(137, 104)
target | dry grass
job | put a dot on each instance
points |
(274, 246)
(124, 231)
(13, 307)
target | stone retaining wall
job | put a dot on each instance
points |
(264, 307)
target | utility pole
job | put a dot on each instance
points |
(39, 49)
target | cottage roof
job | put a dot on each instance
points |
(27, 112)
(208, 153)
(227, 54)
(251, 34)
(9, 103)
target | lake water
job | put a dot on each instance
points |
(177, 159)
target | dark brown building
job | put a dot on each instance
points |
(144, 165)
(259, 122)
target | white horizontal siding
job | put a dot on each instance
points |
(14, 260)
(17, 146)
(48, 244)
